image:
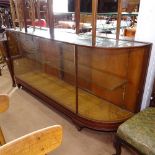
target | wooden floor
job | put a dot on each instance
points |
(27, 114)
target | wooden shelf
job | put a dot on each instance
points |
(90, 106)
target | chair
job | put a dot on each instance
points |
(4, 105)
(36, 143)
(39, 142)
(138, 133)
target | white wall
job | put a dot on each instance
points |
(60, 6)
(146, 32)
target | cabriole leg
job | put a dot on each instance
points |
(117, 145)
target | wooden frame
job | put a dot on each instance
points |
(76, 77)
(131, 105)
(5, 48)
(42, 141)
(94, 17)
(2, 61)
(119, 18)
(51, 17)
(2, 139)
(118, 142)
(24, 12)
(76, 119)
(77, 15)
(80, 121)
(4, 105)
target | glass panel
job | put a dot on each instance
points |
(102, 82)
(41, 14)
(36, 13)
(86, 17)
(29, 54)
(107, 18)
(13, 44)
(5, 17)
(130, 9)
(64, 20)
(49, 67)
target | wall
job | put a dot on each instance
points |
(146, 32)
(60, 6)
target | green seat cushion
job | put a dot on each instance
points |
(139, 131)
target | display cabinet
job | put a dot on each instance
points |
(98, 87)
(96, 81)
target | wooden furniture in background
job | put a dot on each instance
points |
(119, 18)
(39, 142)
(2, 61)
(4, 105)
(77, 16)
(6, 57)
(138, 133)
(51, 17)
(5, 18)
(17, 11)
(2, 53)
(29, 11)
(94, 18)
(129, 32)
(13, 13)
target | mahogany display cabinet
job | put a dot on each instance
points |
(98, 87)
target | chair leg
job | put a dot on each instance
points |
(2, 139)
(117, 145)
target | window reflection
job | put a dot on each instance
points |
(37, 16)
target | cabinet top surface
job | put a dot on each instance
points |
(80, 39)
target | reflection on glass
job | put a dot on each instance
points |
(36, 13)
(102, 86)
(130, 10)
(105, 79)
(49, 70)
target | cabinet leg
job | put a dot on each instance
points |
(79, 128)
(19, 86)
(78, 125)
(13, 84)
